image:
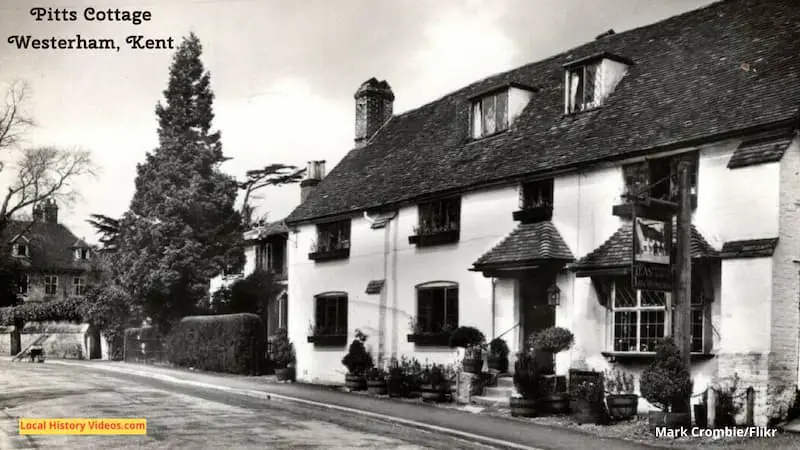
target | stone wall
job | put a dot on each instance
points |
(66, 341)
(9, 341)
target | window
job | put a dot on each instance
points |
(437, 307)
(24, 284)
(581, 88)
(331, 315)
(333, 236)
(658, 178)
(264, 256)
(78, 286)
(50, 284)
(20, 249)
(82, 254)
(439, 216)
(536, 194)
(490, 114)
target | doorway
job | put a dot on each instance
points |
(537, 313)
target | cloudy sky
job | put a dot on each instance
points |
(283, 71)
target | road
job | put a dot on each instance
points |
(184, 416)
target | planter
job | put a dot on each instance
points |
(432, 393)
(430, 339)
(437, 238)
(584, 411)
(334, 340)
(522, 407)
(622, 406)
(701, 415)
(377, 387)
(355, 382)
(498, 363)
(668, 420)
(554, 404)
(328, 255)
(285, 374)
(472, 365)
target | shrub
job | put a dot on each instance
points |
(228, 343)
(282, 350)
(526, 376)
(619, 382)
(552, 340)
(357, 360)
(466, 337)
(667, 382)
(68, 309)
(376, 374)
(498, 348)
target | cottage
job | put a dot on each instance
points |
(503, 206)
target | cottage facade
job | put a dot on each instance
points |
(503, 206)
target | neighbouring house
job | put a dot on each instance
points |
(55, 265)
(265, 251)
(501, 206)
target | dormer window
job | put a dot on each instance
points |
(82, 254)
(490, 114)
(21, 250)
(535, 201)
(589, 81)
(582, 88)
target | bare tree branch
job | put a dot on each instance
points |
(13, 120)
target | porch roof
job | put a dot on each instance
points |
(617, 252)
(529, 243)
(761, 150)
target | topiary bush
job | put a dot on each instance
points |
(526, 376)
(282, 351)
(552, 340)
(232, 343)
(358, 360)
(666, 383)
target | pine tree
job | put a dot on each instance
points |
(182, 228)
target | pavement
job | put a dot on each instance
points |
(498, 432)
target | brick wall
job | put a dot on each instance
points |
(753, 371)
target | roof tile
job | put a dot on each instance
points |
(534, 242)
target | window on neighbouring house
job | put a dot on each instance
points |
(333, 236)
(264, 256)
(582, 91)
(82, 254)
(78, 286)
(50, 284)
(23, 285)
(437, 307)
(439, 216)
(658, 178)
(536, 193)
(20, 249)
(331, 315)
(490, 114)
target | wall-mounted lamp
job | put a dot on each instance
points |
(553, 295)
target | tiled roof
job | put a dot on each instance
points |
(51, 245)
(533, 242)
(729, 67)
(617, 251)
(761, 150)
(375, 286)
(266, 230)
(751, 248)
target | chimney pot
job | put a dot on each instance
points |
(50, 211)
(374, 106)
(315, 172)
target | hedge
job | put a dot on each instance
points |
(233, 343)
(68, 309)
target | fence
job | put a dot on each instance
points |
(144, 345)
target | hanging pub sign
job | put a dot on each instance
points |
(652, 250)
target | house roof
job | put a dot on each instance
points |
(727, 68)
(51, 246)
(760, 150)
(263, 231)
(749, 248)
(528, 243)
(617, 251)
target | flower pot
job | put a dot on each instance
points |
(285, 374)
(585, 411)
(522, 407)
(431, 393)
(498, 363)
(554, 404)
(668, 420)
(377, 387)
(622, 406)
(472, 365)
(355, 382)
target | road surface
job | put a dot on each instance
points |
(184, 416)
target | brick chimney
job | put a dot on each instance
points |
(38, 214)
(374, 103)
(315, 172)
(50, 211)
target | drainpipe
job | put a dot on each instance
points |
(494, 306)
(383, 295)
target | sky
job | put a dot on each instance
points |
(283, 73)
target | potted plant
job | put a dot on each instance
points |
(498, 355)
(587, 402)
(667, 384)
(471, 340)
(621, 400)
(435, 385)
(526, 384)
(376, 381)
(396, 380)
(546, 344)
(283, 356)
(413, 377)
(358, 361)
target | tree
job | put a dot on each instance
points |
(107, 228)
(269, 175)
(182, 228)
(252, 294)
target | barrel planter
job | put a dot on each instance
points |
(431, 393)
(554, 404)
(668, 420)
(472, 365)
(355, 382)
(377, 387)
(396, 387)
(522, 407)
(285, 374)
(584, 411)
(622, 406)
